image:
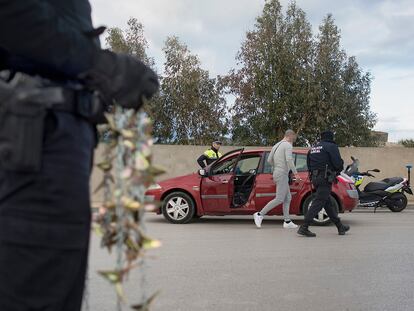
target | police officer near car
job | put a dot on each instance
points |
(324, 165)
(55, 82)
(210, 155)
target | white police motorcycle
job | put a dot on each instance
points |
(389, 192)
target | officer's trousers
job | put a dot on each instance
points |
(45, 222)
(41, 278)
(322, 200)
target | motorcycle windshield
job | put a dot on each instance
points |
(352, 169)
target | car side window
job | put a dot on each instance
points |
(301, 163)
(247, 163)
(224, 167)
(267, 168)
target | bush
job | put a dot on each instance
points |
(409, 143)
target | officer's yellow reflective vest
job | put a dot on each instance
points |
(211, 154)
(208, 157)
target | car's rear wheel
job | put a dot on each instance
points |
(322, 219)
(178, 208)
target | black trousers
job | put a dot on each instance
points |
(45, 222)
(41, 278)
(322, 200)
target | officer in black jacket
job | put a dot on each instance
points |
(44, 207)
(324, 164)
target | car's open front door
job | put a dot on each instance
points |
(217, 188)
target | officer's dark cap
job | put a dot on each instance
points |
(217, 142)
(327, 135)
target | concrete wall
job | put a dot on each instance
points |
(180, 160)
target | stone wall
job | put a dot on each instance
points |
(179, 160)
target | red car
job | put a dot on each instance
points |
(241, 183)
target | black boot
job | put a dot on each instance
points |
(342, 228)
(304, 230)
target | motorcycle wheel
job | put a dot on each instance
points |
(397, 202)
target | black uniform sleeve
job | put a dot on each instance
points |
(335, 158)
(201, 160)
(34, 30)
(308, 161)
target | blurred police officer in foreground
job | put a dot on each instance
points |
(51, 68)
(324, 164)
(210, 155)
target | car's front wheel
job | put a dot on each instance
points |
(322, 219)
(178, 208)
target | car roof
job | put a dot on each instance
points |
(300, 150)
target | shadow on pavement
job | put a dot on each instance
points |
(236, 220)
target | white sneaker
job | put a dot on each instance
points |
(289, 225)
(258, 220)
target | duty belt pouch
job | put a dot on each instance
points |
(331, 176)
(24, 101)
(21, 135)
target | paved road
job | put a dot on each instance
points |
(222, 263)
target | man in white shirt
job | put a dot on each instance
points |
(281, 159)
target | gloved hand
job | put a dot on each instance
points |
(122, 78)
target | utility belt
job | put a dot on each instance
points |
(24, 103)
(79, 102)
(327, 174)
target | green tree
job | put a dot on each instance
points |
(132, 41)
(256, 84)
(343, 90)
(288, 78)
(408, 143)
(301, 91)
(355, 120)
(275, 86)
(192, 102)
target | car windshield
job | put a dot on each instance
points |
(247, 164)
(224, 167)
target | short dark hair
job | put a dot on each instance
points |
(327, 135)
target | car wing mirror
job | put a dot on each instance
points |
(252, 172)
(202, 172)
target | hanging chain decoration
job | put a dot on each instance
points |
(127, 173)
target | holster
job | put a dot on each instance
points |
(327, 174)
(24, 101)
(21, 136)
(331, 178)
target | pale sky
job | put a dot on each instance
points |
(380, 33)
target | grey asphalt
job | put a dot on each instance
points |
(225, 263)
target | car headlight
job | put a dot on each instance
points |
(154, 187)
